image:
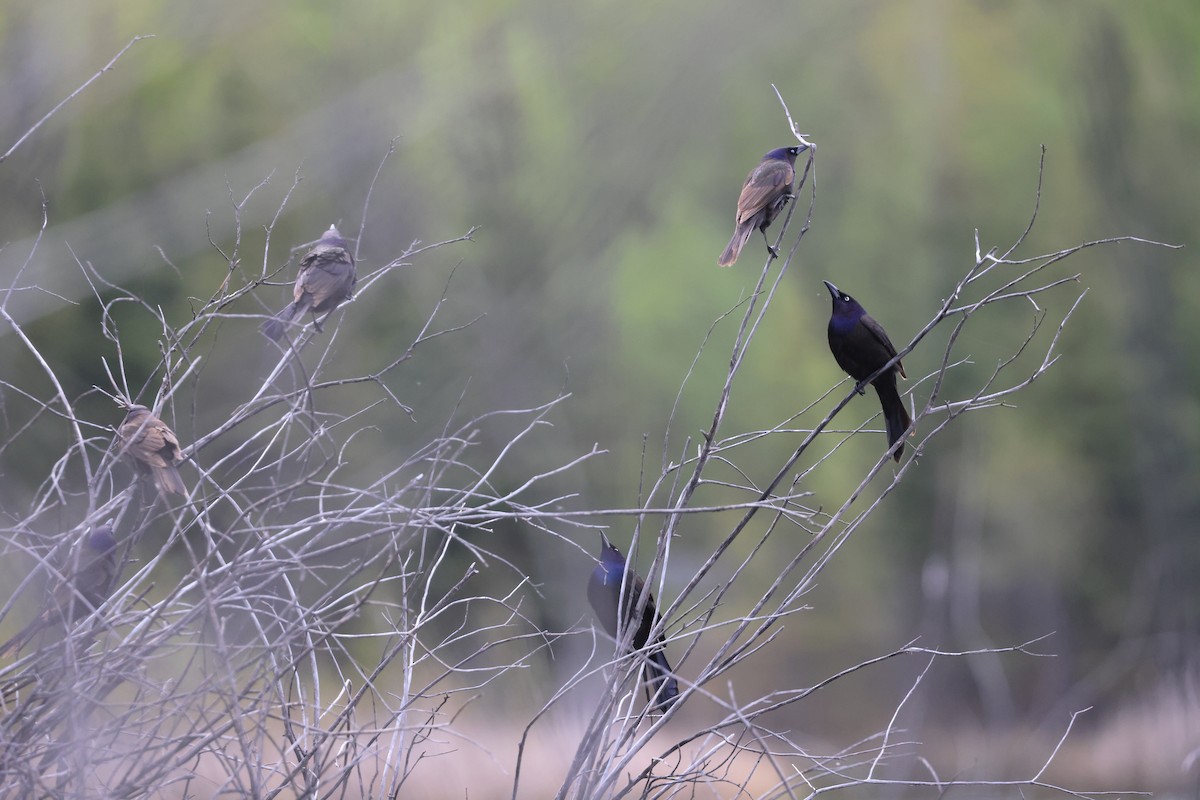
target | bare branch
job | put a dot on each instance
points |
(73, 95)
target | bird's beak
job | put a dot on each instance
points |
(833, 290)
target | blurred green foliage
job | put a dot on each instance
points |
(600, 147)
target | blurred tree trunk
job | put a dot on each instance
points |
(1153, 373)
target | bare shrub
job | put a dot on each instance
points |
(303, 625)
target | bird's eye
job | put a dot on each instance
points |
(845, 298)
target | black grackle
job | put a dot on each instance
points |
(90, 577)
(861, 347)
(605, 595)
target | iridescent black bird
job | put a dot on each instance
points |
(326, 278)
(89, 578)
(153, 448)
(604, 593)
(766, 191)
(861, 347)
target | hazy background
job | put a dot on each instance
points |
(600, 146)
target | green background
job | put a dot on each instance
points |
(600, 146)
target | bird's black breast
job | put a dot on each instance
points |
(602, 594)
(856, 348)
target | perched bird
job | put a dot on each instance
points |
(604, 594)
(766, 191)
(326, 278)
(153, 447)
(861, 347)
(89, 577)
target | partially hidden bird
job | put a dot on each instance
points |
(861, 347)
(609, 602)
(326, 279)
(153, 448)
(766, 191)
(88, 579)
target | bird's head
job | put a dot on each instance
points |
(101, 539)
(333, 238)
(609, 554)
(842, 302)
(136, 412)
(606, 546)
(787, 154)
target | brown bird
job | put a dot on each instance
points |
(153, 448)
(766, 191)
(88, 579)
(326, 278)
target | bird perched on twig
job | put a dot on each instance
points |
(89, 578)
(153, 448)
(861, 347)
(607, 600)
(326, 278)
(766, 191)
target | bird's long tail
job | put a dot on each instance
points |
(661, 685)
(894, 412)
(741, 234)
(273, 328)
(14, 645)
(167, 480)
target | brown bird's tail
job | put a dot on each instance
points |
(167, 480)
(273, 328)
(741, 234)
(14, 645)
(894, 412)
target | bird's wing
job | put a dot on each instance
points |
(316, 262)
(154, 442)
(167, 444)
(304, 275)
(634, 587)
(133, 433)
(92, 580)
(763, 187)
(331, 259)
(881, 336)
(327, 274)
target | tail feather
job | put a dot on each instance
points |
(167, 480)
(14, 645)
(741, 234)
(894, 412)
(660, 683)
(273, 328)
